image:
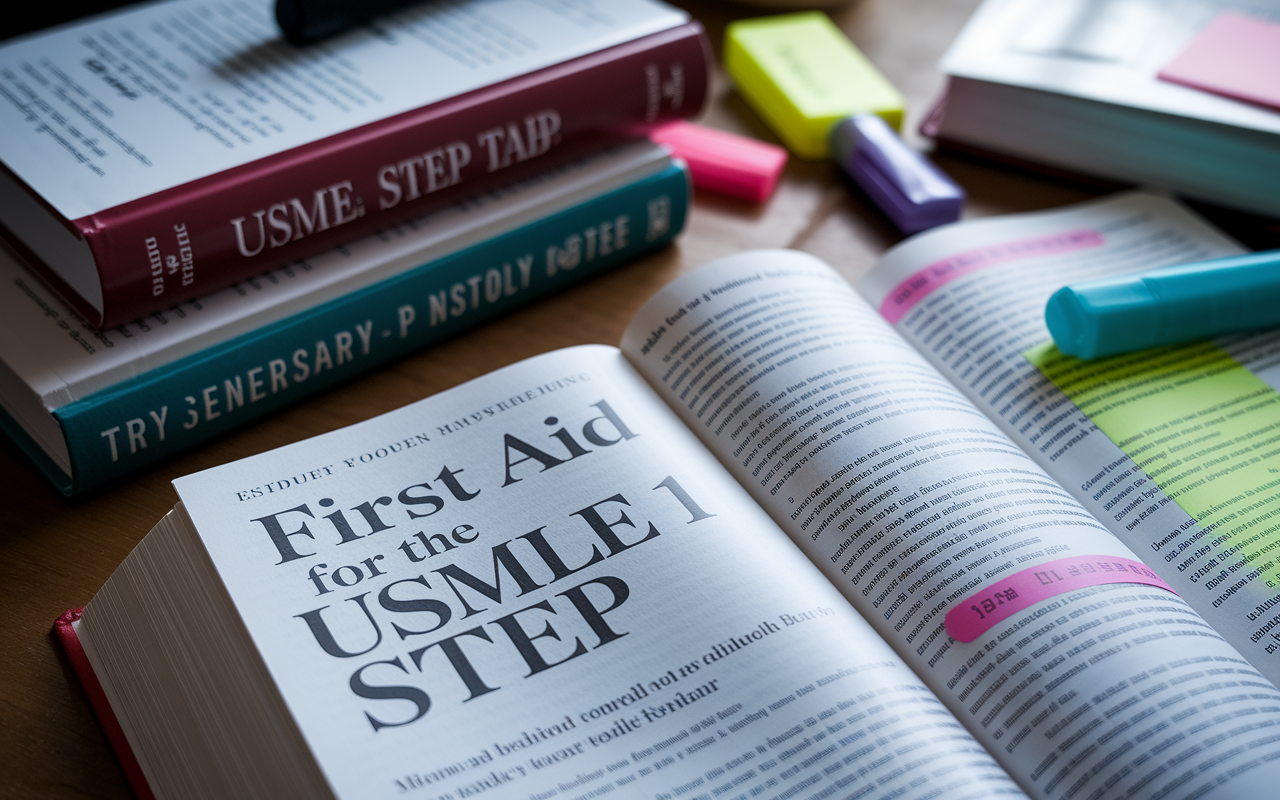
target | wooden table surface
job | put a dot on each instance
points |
(54, 553)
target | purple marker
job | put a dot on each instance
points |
(911, 191)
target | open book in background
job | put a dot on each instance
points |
(91, 406)
(1073, 84)
(768, 549)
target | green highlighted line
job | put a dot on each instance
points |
(1207, 432)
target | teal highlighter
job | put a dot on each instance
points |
(1166, 306)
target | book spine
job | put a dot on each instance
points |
(158, 414)
(205, 235)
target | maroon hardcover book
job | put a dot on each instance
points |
(206, 234)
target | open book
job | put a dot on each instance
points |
(770, 548)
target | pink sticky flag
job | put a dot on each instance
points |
(984, 609)
(722, 161)
(1236, 56)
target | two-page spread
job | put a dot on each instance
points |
(803, 556)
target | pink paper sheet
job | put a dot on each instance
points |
(1236, 56)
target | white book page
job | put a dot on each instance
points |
(120, 107)
(1076, 670)
(64, 359)
(1106, 50)
(975, 329)
(540, 585)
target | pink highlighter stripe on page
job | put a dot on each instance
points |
(1236, 56)
(986, 608)
(911, 291)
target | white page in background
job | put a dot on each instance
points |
(63, 358)
(700, 651)
(1107, 50)
(1005, 300)
(155, 96)
(915, 505)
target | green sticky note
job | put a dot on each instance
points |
(802, 75)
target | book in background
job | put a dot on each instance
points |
(90, 406)
(165, 151)
(1073, 84)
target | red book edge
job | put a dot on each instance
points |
(66, 633)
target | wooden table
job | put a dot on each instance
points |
(55, 554)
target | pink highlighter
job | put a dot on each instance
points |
(724, 162)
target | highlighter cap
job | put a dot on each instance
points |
(911, 191)
(1166, 306)
(724, 162)
(1119, 316)
(801, 74)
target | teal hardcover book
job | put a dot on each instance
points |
(87, 414)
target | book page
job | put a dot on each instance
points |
(1069, 659)
(541, 585)
(1198, 503)
(161, 94)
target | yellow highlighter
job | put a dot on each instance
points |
(802, 75)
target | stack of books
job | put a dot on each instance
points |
(222, 223)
